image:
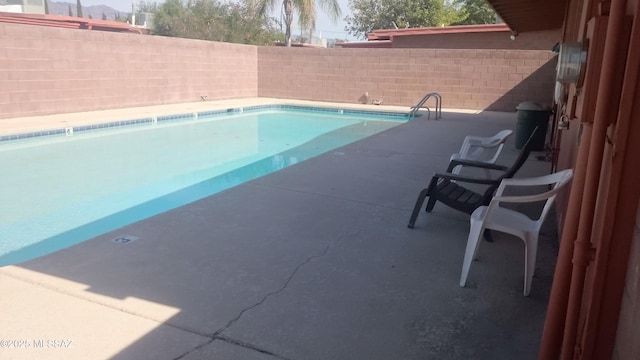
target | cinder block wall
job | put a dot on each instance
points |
(627, 345)
(46, 70)
(467, 79)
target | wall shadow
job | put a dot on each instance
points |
(537, 87)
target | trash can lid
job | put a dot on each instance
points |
(530, 105)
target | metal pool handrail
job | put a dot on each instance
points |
(438, 108)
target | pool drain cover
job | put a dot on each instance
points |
(125, 239)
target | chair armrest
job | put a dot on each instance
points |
(478, 164)
(473, 140)
(531, 181)
(521, 198)
(557, 180)
(528, 198)
(485, 145)
(466, 179)
(481, 142)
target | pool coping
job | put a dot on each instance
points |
(195, 115)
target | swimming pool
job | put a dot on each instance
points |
(65, 186)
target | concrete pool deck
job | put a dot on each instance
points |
(312, 262)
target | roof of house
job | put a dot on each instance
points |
(305, 45)
(67, 22)
(389, 34)
(384, 38)
(526, 15)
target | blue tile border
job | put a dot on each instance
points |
(173, 117)
(194, 116)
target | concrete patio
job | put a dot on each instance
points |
(312, 262)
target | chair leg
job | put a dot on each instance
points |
(431, 203)
(473, 242)
(487, 235)
(416, 208)
(531, 251)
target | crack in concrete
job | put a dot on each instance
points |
(286, 283)
(217, 335)
(195, 348)
(235, 342)
(250, 347)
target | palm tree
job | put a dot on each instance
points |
(306, 10)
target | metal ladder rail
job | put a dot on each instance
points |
(438, 108)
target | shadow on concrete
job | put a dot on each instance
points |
(316, 262)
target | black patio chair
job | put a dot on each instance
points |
(447, 188)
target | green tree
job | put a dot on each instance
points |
(166, 21)
(306, 10)
(79, 8)
(70, 11)
(104, 16)
(369, 15)
(245, 25)
(205, 19)
(46, 6)
(150, 7)
(212, 20)
(475, 12)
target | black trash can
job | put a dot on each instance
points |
(530, 115)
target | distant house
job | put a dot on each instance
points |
(490, 36)
(297, 44)
(22, 6)
(67, 22)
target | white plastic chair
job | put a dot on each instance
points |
(485, 149)
(512, 222)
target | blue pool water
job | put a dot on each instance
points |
(60, 190)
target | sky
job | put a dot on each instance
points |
(324, 26)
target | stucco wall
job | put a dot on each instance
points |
(468, 79)
(47, 70)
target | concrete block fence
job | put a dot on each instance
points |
(46, 70)
(467, 79)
